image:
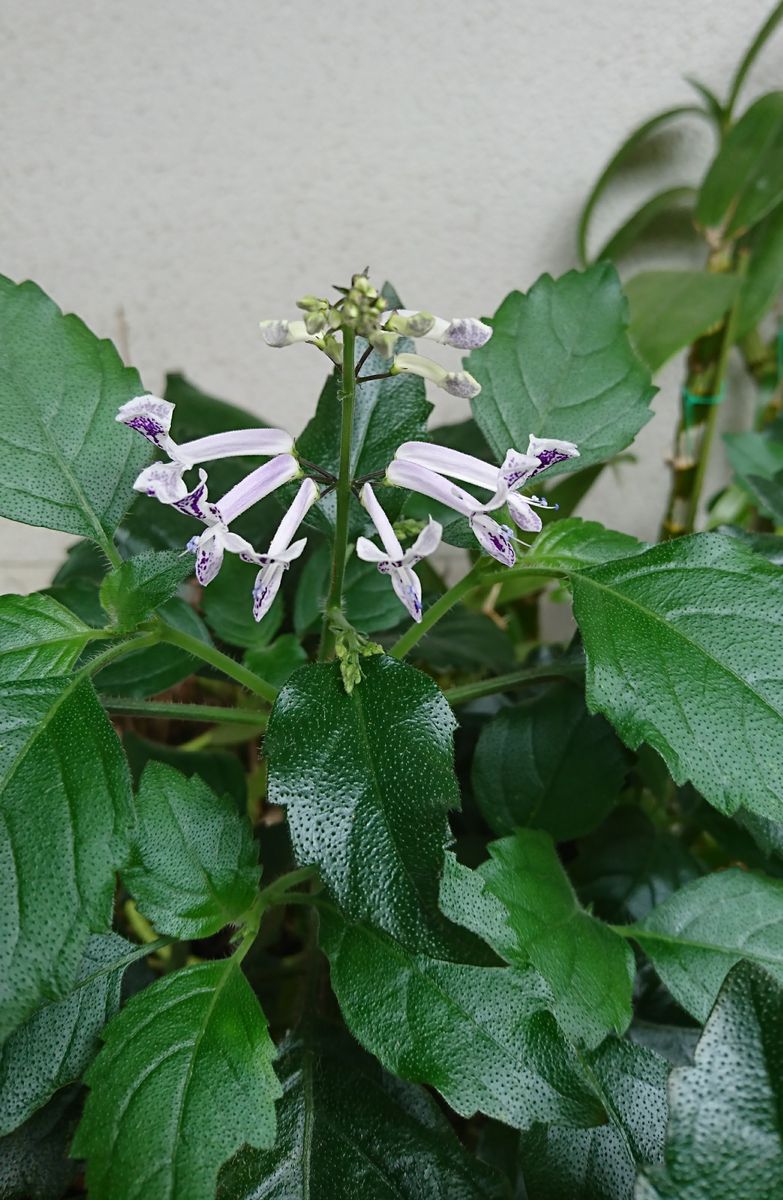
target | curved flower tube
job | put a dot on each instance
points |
(393, 561)
(282, 551)
(456, 383)
(463, 333)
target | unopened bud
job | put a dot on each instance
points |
(315, 321)
(460, 383)
(310, 303)
(384, 342)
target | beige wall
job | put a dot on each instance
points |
(200, 165)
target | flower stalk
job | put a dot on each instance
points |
(343, 490)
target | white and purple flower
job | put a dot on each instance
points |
(463, 333)
(282, 551)
(392, 560)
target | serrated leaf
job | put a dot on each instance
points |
(34, 1159)
(483, 1036)
(65, 802)
(367, 781)
(682, 653)
(601, 1163)
(588, 966)
(725, 1135)
(559, 364)
(193, 866)
(38, 637)
(745, 180)
(64, 461)
(347, 1128)
(696, 936)
(56, 1045)
(131, 592)
(221, 771)
(547, 764)
(670, 309)
(184, 1080)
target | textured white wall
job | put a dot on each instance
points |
(200, 165)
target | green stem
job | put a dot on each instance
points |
(767, 29)
(504, 683)
(216, 658)
(184, 712)
(473, 579)
(278, 892)
(343, 490)
(128, 646)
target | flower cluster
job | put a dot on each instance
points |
(418, 466)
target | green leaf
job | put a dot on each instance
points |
(34, 1160)
(671, 309)
(193, 867)
(627, 867)
(681, 653)
(559, 364)
(725, 1135)
(65, 463)
(696, 936)
(483, 1036)
(465, 641)
(547, 764)
(65, 802)
(367, 781)
(769, 495)
(197, 414)
(369, 599)
(228, 606)
(184, 1080)
(588, 966)
(755, 452)
(131, 592)
(148, 672)
(222, 772)
(745, 180)
(277, 662)
(573, 543)
(38, 637)
(346, 1128)
(763, 280)
(56, 1045)
(671, 207)
(601, 1163)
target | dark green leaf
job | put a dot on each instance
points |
(588, 966)
(83, 560)
(221, 771)
(574, 543)
(198, 414)
(465, 436)
(569, 492)
(56, 1045)
(483, 1036)
(547, 764)
(38, 637)
(65, 463)
(228, 606)
(682, 653)
(347, 1128)
(559, 364)
(768, 545)
(725, 1135)
(193, 867)
(670, 309)
(763, 280)
(34, 1160)
(466, 641)
(745, 181)
(601, 1163)
(65, 802)
(277, 662)
(367, 781)
(370, 602)
(696, 936)
(148, 672)
(131, 592)
(184, 1080)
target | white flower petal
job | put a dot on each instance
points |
(407, 588)
(522, 514)
(367, 551)
(163, 481)
(493, 538)
(426, 543)
(267, 585)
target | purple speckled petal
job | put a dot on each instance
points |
(163, 481)
(209, 557)
(196, 503)
(266, 587)
(522, 514)
(407, 588)
(151, 417)
(493, 538)
(517, 468)
(550, 451)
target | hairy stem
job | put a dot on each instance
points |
(208, 713)
(343, 489)
(127, 646)
(216, 658)
(504, 683)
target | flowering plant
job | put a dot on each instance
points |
(365, 949)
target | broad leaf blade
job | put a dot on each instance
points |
(38, 637)
(684, 652)
(132, 591)
(193, 867)
(670, 309)
(64, 461)
(184, 1080)
(559, 364)
(745, 181)
(58, 853)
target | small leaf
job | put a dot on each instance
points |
(559, 364)
(589, 968)
(194, 864)
(696, 936)
(725, 1134)
(277, 662)
(682, 653)
(346, 1128)
(367, 781)
(131, 592)
(184, 1080)
(483, 1036)
(745, 180)
(547, 764)
(65, 803)
(671, 309)
(601, 1163)
(56, 1045)
(65, 463)
(38, 637)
